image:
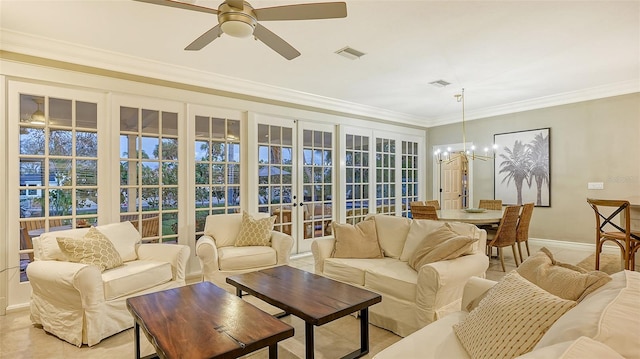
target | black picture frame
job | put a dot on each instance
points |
(522, 167)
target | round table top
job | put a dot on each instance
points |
(460, 215)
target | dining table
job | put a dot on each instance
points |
(472, 216)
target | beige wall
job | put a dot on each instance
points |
(591, 141)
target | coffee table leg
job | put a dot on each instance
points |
(273, 351)
(136, 331)
(364, 330)
(239, 292)
(308, 338)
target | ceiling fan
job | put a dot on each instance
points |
(238, 18)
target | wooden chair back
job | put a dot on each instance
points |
(522, 234)
(507, 230)
(433, 202)
(424, 212)
(491, 204)
(150, 227)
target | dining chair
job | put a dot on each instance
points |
(522, 234)
(424, 212)
(505, 235)
(493, 204)
(433, 202)
(606, 211)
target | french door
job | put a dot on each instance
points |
(295, 177)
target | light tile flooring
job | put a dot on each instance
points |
(20, 339)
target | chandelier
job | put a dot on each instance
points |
(465, 154)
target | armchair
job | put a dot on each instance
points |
(82, 305)
(218, 254)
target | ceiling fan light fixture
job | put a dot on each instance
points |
(237, 28)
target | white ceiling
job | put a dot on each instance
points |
(508, 55)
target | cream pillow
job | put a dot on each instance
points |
(255, 232)
(564, 280)
(510, 320)
(359, 241)
(94, 249)
(451, 248)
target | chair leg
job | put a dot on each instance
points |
(515, 256)
(520, 252)
(526, 243)
(501, 258)
(598, 249)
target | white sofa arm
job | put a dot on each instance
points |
(440, 285)
(176, 254)
(67, 282)
(321, 249)
(207, 254)
(282, 243)
(474, 288)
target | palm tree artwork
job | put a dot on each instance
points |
(522, 162)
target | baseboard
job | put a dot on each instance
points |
(542, 242)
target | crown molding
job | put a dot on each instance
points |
(27, 44)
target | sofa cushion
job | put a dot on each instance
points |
(419, 229)
(46, 245)
(225, 228)
(237, 258)
(466, 229)
(564, 280)
(254, 232)
(392, 233)
(396, 279)
(352, 270)
(94, 249)
(428, 251)
(511, 319)
(580, 348)
(609, 315)
(356, 241)
(124, 237)
(133, 277)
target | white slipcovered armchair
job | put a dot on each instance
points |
(219, 255)
(82, 305)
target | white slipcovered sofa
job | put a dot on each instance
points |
(220, 257)
(605, 324)
(82, 305)
(410, 299)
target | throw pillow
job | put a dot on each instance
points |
(564, 280)
(255, 232)
(583, 347)
(359, 241)
(510, 320)
(451, 248)
(94, 249)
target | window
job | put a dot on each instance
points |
(385, 176)
(357, 177)
(409, 175)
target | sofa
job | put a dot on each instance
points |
(83, 304)
(220, 255)
(605, 324)
(411, 298)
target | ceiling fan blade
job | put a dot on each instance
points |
(181, 5)
(275, 42)
(238, 4)
(205, 39)
(328, 10)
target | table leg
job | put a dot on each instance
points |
(273, 351)
(364, 331)
(308, 338)
(239, 292)
(136, 333)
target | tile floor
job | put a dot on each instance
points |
(20, 339)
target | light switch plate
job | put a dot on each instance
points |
(595, 185)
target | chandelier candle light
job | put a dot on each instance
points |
(465, 154)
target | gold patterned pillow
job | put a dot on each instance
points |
(564, 280)
(94, 249)
(255, 232)
(511, 319)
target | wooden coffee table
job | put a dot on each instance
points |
(315, 299)
(204, 321)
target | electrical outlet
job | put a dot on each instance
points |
(595, 185)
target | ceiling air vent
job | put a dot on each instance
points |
(440, 83)
(350, 53)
